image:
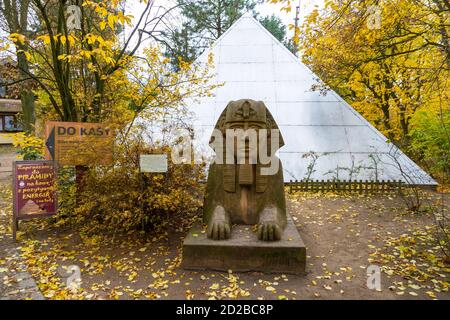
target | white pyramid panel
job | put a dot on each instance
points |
(245, 72)
(245, 24)
(295, 166)
(246, 37)
(372, 143)
(264, 91)
(350, 116)
(300, 91)
(287, 71)
(324, 139)
(246, 54)
(310, 113)
(206, 113)
(281, 55)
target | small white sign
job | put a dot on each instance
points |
(153, 162)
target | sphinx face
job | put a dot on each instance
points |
(246, 142)
(244, 134)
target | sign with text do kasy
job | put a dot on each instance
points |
(34, 189)
(78, 143)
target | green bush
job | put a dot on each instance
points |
(430, 139)
(119, 197)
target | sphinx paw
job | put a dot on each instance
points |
(219, 227)
(219, 230)
(269, 231)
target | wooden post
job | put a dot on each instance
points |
(15, 223)
(141, 203)
(15, 227)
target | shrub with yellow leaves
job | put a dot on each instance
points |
(120, 197)
(29, 146)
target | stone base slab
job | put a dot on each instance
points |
(244, 252)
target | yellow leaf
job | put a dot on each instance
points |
(215, 286)
(111, 21)
(16, 37)
(71, 40)
(44, 38)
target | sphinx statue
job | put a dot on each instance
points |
(238, 190)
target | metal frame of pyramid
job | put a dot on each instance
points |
(252, 64)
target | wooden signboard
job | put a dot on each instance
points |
(34, 190)
(78, 143)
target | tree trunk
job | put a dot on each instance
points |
(28, 105)
(26, 95)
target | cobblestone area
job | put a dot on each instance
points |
(17, 283)
(7, 157)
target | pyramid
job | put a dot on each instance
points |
(252, 64)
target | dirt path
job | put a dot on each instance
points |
(15, 281)
(343, 235)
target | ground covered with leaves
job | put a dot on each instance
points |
(344, 234)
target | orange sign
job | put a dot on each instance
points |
(78, 143)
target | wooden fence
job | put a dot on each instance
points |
(344, 186)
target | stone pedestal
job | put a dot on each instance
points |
(244, 252)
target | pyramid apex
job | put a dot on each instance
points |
(248, 14)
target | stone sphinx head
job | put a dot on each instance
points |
(248, 133)
(245, 182)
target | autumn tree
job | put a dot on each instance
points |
(15, 20)
(278, 29)
(91, 74)
(10, 87)
(389, 60)
(62, 57)
(203, 22)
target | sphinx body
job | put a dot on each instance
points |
(240, 192)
